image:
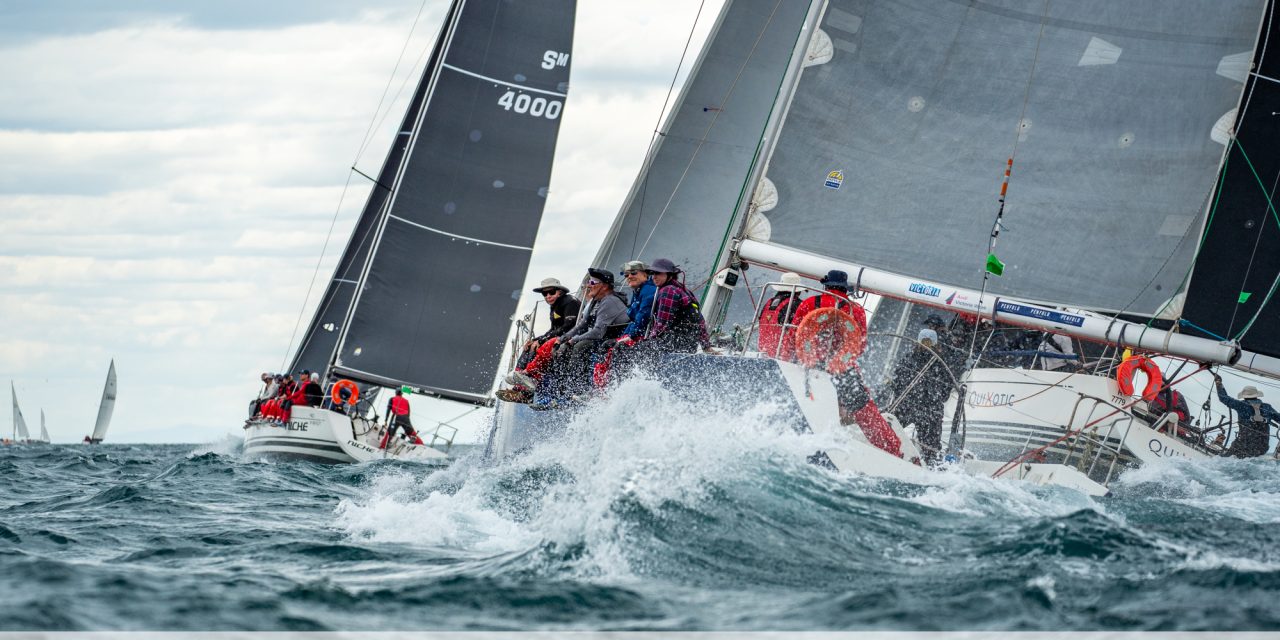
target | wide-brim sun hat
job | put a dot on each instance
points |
(788, 280)
(1249, 393)
(836, 278)
(550, 283)
(633, 265)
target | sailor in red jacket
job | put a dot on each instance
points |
(398, 417)
(836, 295)
(777, 319)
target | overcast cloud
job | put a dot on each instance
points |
(170, 171)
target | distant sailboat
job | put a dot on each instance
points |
(20, 433)
(44, 433)
(107, 406)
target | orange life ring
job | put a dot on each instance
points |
(336, 394)
(1124, 376)
(830, 337)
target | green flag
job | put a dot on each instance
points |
(994, 266)
(1244, 296)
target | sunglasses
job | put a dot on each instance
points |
(593, 282)
(632, 272)
(550, 293)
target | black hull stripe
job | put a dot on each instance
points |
(271, 442)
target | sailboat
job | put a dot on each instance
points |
(870, 138)
(20, 433)
(44, 433)
(105, 408)
(422, 296)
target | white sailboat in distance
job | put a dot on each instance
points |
(20, 433)
(44, 433)
(105, 408)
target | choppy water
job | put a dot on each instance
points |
(666, 522)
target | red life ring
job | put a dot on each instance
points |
(336, 394)
(1124, 376)
(831, 337)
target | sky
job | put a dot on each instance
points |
(169, 171)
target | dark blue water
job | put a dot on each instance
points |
(661, 522)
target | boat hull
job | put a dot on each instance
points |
(320, 435)
(1009, 412)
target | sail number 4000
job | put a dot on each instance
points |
(536, 107)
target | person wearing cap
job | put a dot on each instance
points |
(677, 324)
(777, 329)
(836, 294)
(920, 385)
(643, 291)
(312, 392)
(1254, 416)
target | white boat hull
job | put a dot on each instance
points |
(321, 435)
(1009, 412)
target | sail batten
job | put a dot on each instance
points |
(451, 244)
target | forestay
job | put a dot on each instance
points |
(892, 150)
(453, 242)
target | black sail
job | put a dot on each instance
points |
(1238, 266)
(453, 244)
(321, 337)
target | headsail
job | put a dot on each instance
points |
(1237, 271)
(44, 433)
(107, 406)
(695, 174)
(19, 425)
(892, 149)
(453, 242)
(321, 337)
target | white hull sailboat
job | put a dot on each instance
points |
(868, 137)
(20, 433)
(421, 298)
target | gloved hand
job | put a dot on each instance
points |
(625, 341)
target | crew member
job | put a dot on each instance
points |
(920, 386)
(777, 329)
(398, 418)
(1254, 418)
(678, 325)
(836, 294)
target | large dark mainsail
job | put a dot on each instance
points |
(321, 337)
(892, 151)
(1237, 269)
(453, 242)
(696, 172)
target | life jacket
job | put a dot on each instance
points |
(774, 320)
(400, 406)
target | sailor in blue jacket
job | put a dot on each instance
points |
(1254, 417)
(642, 293)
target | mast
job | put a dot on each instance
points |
(715, 300)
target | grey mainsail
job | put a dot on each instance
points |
(1231, 295)
(892, 150)
(19, 424)
(44, 433)
(453, 241)
(107, 406)
(321, 337)
(696, 171)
